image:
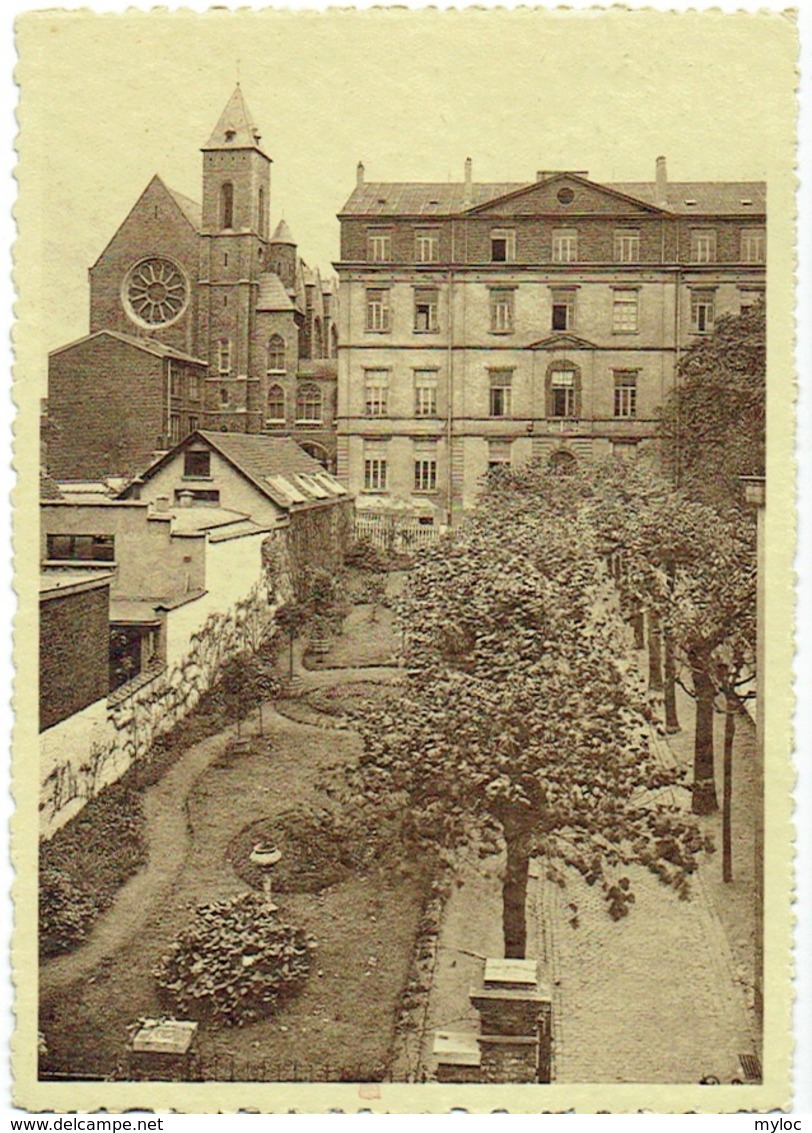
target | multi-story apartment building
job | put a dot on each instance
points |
(200, 317)
(485, 324)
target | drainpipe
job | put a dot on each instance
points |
(449, 399)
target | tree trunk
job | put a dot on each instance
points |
(671, 718)
(638, 625)
(704, 787)
(727, 789)
(655, 662)
(514, 897)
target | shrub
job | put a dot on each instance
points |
(85, 864)
(234, 963)
(66, 912)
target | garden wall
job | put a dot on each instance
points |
(91, 749)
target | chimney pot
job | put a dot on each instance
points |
(359, 174)
(162, 503)
(185, 498)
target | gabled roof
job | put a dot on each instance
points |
(270, 463)
(541, 188)
(147, 345)
(272, 294)
(189, 210)
(426, 199)
(235, 127)
(561, 342)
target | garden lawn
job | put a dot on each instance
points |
(365, 927)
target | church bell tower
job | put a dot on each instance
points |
(234, 247)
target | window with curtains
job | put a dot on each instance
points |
(425, 393)
(501, 310)
(624, 311)
(501, 383)
(563, 390)
(376, 393)
(375, 470)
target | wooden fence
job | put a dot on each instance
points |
(397, 533)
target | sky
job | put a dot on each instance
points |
(107, 101)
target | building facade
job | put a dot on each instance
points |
(210, 283)
(488, 324)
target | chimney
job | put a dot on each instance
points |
(162, 504)
(469, 173)
(185, 498)
(661, 182)
(359, 174)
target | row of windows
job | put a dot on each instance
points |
(184, 382)
(309, 405)
(625, 309)
(564, 245)
(500, 454)
(563, 392)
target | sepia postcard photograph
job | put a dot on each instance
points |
(404, 532)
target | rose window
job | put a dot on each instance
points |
(155, 292)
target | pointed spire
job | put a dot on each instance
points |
(282, 234)
(235, 128)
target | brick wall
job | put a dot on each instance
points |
(155, 227)
(107, 409)
(74, 642)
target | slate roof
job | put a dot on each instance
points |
(419, 198)
(148, 345)
(235, 127)
(192, 210)
(276, 466)
(282, 234)
(272, 294)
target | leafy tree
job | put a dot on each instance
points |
(712, 427)
(521, 720)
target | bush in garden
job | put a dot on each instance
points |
(66, 912)
(234, 963)
(85, 864)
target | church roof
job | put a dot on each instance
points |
(282, 234)
(192, 210)
(272, 294)
(235, 127)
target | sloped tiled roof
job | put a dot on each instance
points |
(235, 127)
(272, 294)
(148, 345)
(413, 198)
(282, 234)
(714, 197)
(192, 210)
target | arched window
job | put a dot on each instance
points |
(224, 398)
(308, 404)
(276, 403)
(227, 205)
(563, 390)
(333, 342)
(562, 462)
(276, 353)
(317, 339)
(224, 356)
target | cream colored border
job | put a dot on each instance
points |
(779, 72)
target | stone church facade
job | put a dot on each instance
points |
(204, 317)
